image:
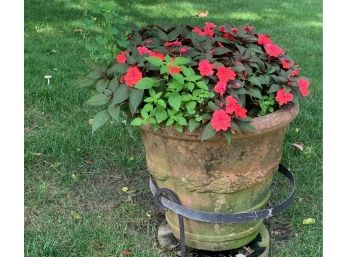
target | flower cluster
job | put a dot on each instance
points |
(184, 76)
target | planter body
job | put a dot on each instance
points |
(217, 177)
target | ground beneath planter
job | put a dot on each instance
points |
(168, 242)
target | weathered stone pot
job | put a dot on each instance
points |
(214, 176)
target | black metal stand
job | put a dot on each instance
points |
(167, 199)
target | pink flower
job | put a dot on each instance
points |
(121, 57)
(183, 50)
(240, 112)
(206, 68)
(225, 74)
(143, 50)
(173, 43)
(222, 29)
(227, 36)
(294, 72)
(283, 97)
(199, 31)
(285, 63)
(172, 69)
(220, 87)
(132, 76)
(220, 120)
(303, 84)
(231, 104)
(235, 30)
(273, 50)
(263, 39)
(157, 54)
(248, 28)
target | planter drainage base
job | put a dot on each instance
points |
(259, 247)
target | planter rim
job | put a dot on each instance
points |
(263, 124)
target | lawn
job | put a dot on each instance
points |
(74, 203)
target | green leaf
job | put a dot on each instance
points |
(190, 86)
(193, 125)
(161, 102)
(190, 106)
(135, 98)
(274, 88)
(174, 100)
(179, 128)
(160, 114)
(213, 106)
(101, 85)
(188, 72)
(228, 136)
(145, 83)
(99, 120)
(182, 121)
(114, 112)
(202, 85)
(164, 69)
(308, 221)
(278, 79)
(254, 80)
(208, 132)
(97, 100)
(154, 61)
(179, 78)
(86, 82)
(121, 94)
(181, 60)
(137, 122)
(176, 85)
(170, 122)
(147, 108)
(221, 51)
(255, 92)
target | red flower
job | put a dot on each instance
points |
(220, 87)
(143, 50)
(173, 69)
(228, 36)
(273, 50)
(174, 43)
(294, 72)
(121, 80)
(132, 76)
(248, 28)
(199, 31)
(220, 120)
(209, 29)
(231, 104)
(225, 74)
(285, 63)
(183, 50)
(283, 97)
(303, 84)
(240, 112)
(222, 29)
(157, 54)
(206, 68)
(263, 39)
(235, 30)
(121, 57)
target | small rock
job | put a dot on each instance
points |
(240, 255)
(165, 236)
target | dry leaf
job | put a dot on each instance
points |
(125, 189)
(37, 154)
(202, 13)
(298, 146)
(308, 221)
(126, 252)
(148, 215)
(76, 215)
(89, 161)
(90, 121)
(78, 30)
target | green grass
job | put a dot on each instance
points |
(74, 205)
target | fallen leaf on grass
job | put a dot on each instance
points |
(88, 161)
(90, 121)
(298, 146)
(37, 154)
(76, 215)
(78, 30)
(202, 13)
(308, 221)
(125, 189)
(126, 252)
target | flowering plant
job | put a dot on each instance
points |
(218, 77)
